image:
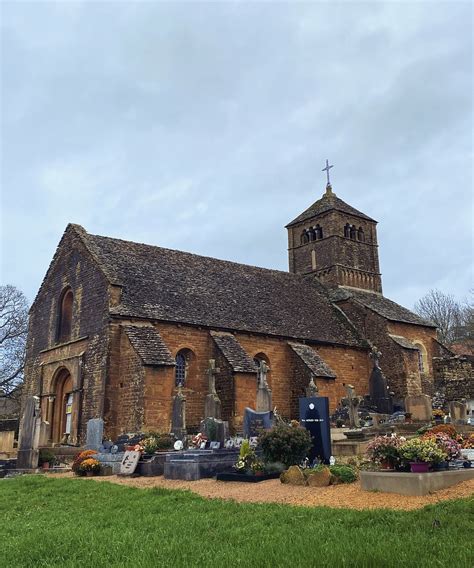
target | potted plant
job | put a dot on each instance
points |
(385, 451)
(445, 443)
(46, 458)
(79, 458)
(246, 459)
(258, 468)
(421, 453)
(90, 467)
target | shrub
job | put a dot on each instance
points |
(286, 444)
(343, 473)
(79, 458)
(274, 467)
(46, 456)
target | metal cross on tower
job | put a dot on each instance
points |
(326, 169)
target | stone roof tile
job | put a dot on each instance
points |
(312, 360)
(148, 344)
(233, 352)
(403, 342)
(328, 202)
(383, 306)
(169, 285)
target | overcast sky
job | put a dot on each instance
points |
(204, 127)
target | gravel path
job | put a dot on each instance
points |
(348, 496)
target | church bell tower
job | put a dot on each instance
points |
(336, 243)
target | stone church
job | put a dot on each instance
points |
(117, 326)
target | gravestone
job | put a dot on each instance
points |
(314, 416)
(129, 462)
(28, 449)
(178, 418)
(255, 422)
(264, 393)
(7, 440)
(212, 405)
(378, 388)
(419, 406)
(458, 412)
(352, 402)
(44, 434)
(95, 433)
(215, 430)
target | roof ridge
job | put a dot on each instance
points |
(326, 203)
(200, 256)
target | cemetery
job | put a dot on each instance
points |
(354, 467)
(409, 453)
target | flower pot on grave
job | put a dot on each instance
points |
(419, 467)
(45, 465)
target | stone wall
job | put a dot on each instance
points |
(72, 266)
(454, 377)
(337, 251)
(399, 365)
(287, 378)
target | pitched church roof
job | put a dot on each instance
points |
(170, 285)
(328, 202)
(379, 304)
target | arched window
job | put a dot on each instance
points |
(353, 232)
(304, 237)
(312, 234)
(65, 316)
(360, 234)
(347, 230)
(259, 357)
(422, 357)
(319, 232)
(180, 369)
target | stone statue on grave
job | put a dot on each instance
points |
(311, 389)
(264, 393)
(212, 406)
(352, 402)
(178, 419)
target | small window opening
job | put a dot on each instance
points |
(65, 316)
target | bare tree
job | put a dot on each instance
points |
(445, 312)
(13, 332)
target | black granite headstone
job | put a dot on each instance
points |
(314, 416)
(255, 422)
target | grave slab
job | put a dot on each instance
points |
(412, 483)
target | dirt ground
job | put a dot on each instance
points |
(348, 496)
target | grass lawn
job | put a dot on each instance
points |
(78, 522)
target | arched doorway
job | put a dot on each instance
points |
(63, 407)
